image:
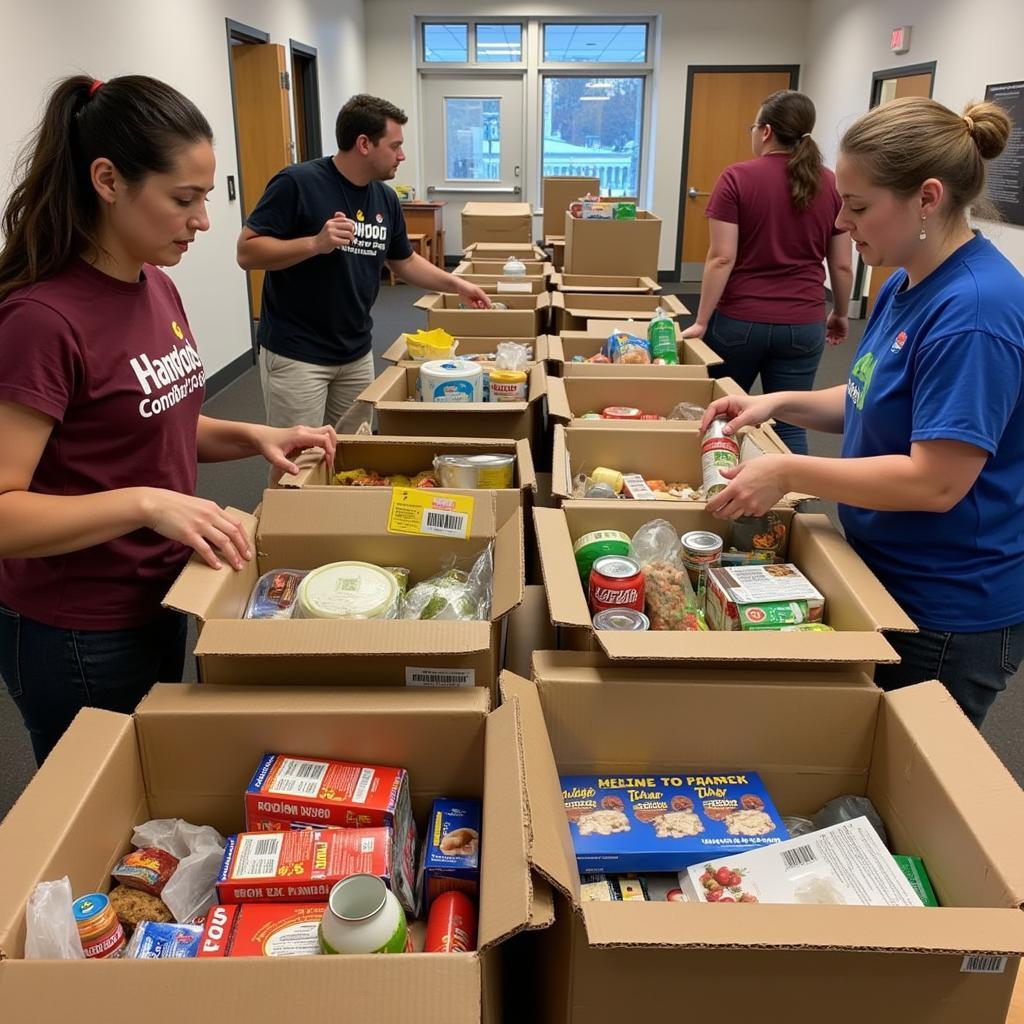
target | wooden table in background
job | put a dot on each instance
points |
(427, 218)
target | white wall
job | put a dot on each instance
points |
(974, 45)
(184, 43)
(691, 32)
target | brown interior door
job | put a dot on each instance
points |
(722, 106)
(894, 89)
(263, 128)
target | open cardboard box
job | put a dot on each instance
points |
(501, 285)
(856, 605)
(189, 752)
(613, 246)
(393, 395)
(496, 222)
(556, 243)
(596, 283)
(694, 356)
(557, 192)
(311, 527)
(525, 251)
(526, 316)
(571, 311)
(484, 349)
(495, 268)
(812, 736)
(657, 451)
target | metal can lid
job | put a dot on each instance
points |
(702, 542)
(85, 908)
(358, 897)
(621, 618)
(616, 567)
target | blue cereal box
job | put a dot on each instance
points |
(666, 821)
(451, 849)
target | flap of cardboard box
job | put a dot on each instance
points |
(496, 268)
(597, 283)
(650, 391)
(502, 250)
(601, 328)
(454, 303)
(612, 307)
(488, 209)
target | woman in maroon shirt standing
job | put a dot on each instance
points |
(101, 389)
(772, 222)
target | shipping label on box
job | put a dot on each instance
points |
(451, 849)
(842, 864)
(262, 929)
(666, 822)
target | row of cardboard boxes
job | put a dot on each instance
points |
(544, 950)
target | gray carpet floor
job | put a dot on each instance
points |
(241, 484)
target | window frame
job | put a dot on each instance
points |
(647, 63)
(444, 117)
(471, 63)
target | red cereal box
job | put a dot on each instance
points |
(302, 866)
(262, 929)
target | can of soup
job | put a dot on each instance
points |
(718, 451)
(616, 582)
(701, 551)
(625, 619)
(592, 546)
(363, 916)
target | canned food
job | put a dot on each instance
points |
(759, 533)
(489, 472)
(611, 477)
(508, 385)
(620, 412)
(718, 451)
(592, 546)
(591, 416)
(616, 582)
(626, 619)
(98, 927)
(363, 916)
(701, 551)
(451, 926)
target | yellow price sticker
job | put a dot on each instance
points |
(428, 513)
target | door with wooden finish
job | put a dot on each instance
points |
(886, 90)
(722, 106)
(263, 126)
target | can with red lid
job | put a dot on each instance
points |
(616, 582)
(451, 926)
(621, 412)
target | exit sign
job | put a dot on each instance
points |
(899, 41)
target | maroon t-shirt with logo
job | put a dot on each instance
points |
(114, 363)
(778, 276)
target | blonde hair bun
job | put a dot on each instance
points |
(989, 127)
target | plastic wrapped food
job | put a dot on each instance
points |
(274, 595)
(147, 869)
(628, 349)
(510, 355)
(669, 600)
(687, 411)
(156, 941)
(846, 808)
(454, 593)
(402, 576)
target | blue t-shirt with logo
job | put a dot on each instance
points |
(945, 361)
(318, 311)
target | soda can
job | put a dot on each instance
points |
(625, 619)
(451, 925)
(616, 582)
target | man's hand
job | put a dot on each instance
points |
(472, 295)
(335, 234)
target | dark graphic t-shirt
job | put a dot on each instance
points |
(318, 311)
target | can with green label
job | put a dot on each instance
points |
(363, 916)
(592, 546)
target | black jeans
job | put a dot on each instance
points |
(974, 667)
(51, 673)
(786, 356)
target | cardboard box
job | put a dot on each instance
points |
(314, 526)
(657, 451)
(496, 222)
(482, 350)
(556, 243)
(557, 192)
(475, 268)
(912, 752)
(695, 357)
(529, 630)
(856, 605)
(525, 251)
(393, 395)
(526, 316)
(188, 752)
(595, 284)
(571, 311)
(613, 246)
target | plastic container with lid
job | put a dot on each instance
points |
(347, 590)
(514, 267)
(508, 385)
(451, 380)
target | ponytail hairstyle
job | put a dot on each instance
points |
(137, 123)
(791, 115)
(901, 144)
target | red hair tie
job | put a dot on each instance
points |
(94, 87)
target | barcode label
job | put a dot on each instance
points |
(257, 856)
(798, 857)
(362, 789)
(366, 845)
(445, 524)
(444, 677)
(299, 778)
(980, 964)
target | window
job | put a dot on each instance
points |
(498, 43)
(446, 43)
(595, 44)
(593, 126)
(472, 138)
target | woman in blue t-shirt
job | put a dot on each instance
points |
(931, 483)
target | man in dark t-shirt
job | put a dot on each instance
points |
(322, 231)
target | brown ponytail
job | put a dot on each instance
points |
(791, 116)
(138, 123)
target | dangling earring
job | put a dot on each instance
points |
(924, 234)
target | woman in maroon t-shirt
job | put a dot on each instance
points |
(772, 222)
(101, 390)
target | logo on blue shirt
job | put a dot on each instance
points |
(901, 340)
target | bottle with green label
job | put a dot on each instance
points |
(661, 334)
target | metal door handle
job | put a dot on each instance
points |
(693, 192)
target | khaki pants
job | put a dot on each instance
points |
(306, 394)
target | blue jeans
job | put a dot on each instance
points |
(785, 355)
(51, 673)
(974, 667)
